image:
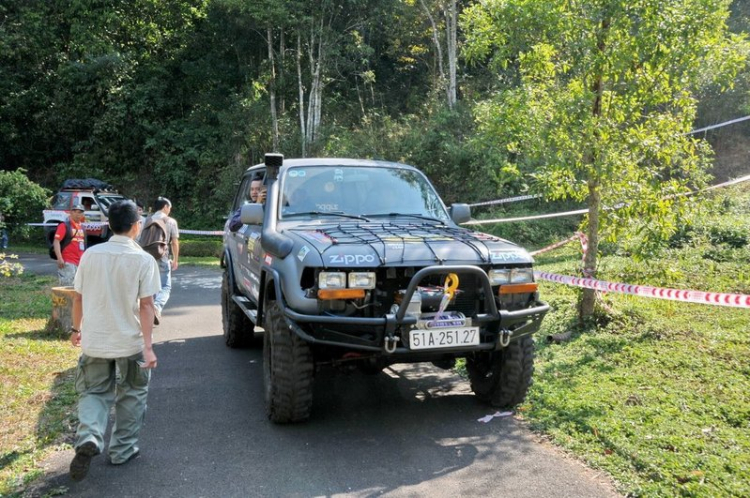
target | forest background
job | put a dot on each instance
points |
(177, 98)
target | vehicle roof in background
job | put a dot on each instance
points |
(87, 184)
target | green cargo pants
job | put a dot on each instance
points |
(101, 382)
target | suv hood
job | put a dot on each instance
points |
(369, 244)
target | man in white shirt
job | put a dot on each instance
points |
(113, 316)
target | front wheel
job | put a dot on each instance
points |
(288, 368)
(238, 329)
(502, 378)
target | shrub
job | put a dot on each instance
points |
(201, 248)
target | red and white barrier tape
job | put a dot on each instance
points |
(98, 224)
(690, 296)
(202, 232)
(555, 245)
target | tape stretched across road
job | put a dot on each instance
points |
(585, 211)
(98, 224)
(689, 296)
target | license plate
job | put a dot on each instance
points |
(444, 338)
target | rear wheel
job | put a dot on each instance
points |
(502, 378)
(287, 370)
(238, 329)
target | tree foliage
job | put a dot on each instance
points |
(178, 98)
(602, 94)
(21, 200)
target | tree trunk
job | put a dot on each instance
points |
(438, 47)
(272, 92)
(451, 17)
(282, 53)
(588, 297)
(61, 319)
(316, 85)
(301, 89)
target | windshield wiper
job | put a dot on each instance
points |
(411, 215)
(325, 213)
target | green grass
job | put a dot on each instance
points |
(655, 392)
(36, 389)
(199, 261)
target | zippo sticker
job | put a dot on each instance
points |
(507, 256)
(268, 259)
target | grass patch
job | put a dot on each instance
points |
(199, 261)
(656, 393)
(36, 392)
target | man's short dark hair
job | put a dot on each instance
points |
(122, 216)
(160, 202)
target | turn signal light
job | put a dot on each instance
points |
(518, 288)
(341, 293)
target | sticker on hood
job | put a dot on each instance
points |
(302, 253)
(509, 256)
(351, 259)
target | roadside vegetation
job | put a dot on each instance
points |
(36, 388)
(655, 392)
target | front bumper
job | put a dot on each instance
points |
(497, 327)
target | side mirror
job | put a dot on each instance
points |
(460, 213)
(251, 214)
(94, 207)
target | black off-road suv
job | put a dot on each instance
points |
(358, 263)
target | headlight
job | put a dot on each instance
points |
(522, 276)
(332, 280)
(362, 280)
(499, 277)
(514, 276)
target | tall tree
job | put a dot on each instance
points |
(605, 95)
(449, 9)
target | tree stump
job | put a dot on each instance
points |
(62, 311)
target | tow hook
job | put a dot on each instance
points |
(504, 338)
(390, 344)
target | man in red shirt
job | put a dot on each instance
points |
(69, 249)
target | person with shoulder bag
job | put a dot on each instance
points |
(161, 239)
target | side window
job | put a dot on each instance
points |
(87, 202)
(243, 194)
(61, 201)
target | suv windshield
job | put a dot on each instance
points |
(358, 191)
(105, 200)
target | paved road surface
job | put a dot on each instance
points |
(409, 431)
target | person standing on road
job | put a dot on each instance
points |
(169, 263)
(113, 316)
(69, 244)
(3, 233)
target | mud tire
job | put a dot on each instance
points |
(239, 331)
(288, 369)
(502, 378)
